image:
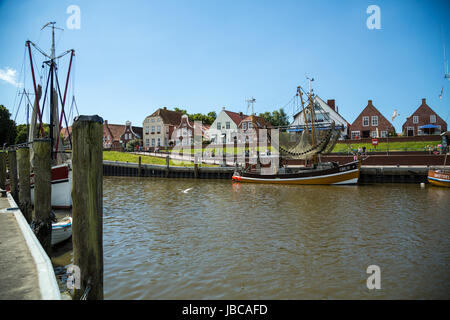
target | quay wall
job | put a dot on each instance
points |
(369, 174)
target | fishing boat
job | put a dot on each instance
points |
(306, 142)
(61, 230)
(61, 171)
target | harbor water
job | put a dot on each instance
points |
(212, 239)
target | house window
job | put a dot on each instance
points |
(374, 121)
(159, 142)
(365, 121)
(153, 119)
(227, 124)
(147, 129)
(356, 135)
(415, 119)
(159, 129)
(374, 134)
(159, 120)
(384, 134)
(147, 142)
(153, 129)
(153, 142)
(219, 126)
(165, 142)
(433, 118)
(244, 125)
(250, 125)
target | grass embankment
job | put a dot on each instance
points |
(382, 147)
(133, 158)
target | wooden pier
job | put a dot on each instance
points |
(25, 269)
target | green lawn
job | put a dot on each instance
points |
(382, 147)
(133, 158)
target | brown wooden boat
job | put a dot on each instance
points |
(439, 177)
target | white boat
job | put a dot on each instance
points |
(61, 187)
(61, 230)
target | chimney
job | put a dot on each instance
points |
(331, 104)
(241, 114)
(223, 108)
(165, 108)
(370, 102)
(424, 101)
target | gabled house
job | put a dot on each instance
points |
(159, 126)
(184, 132)
(325, 114)
(224, 128)
(370, 124)
(116, 136)
(424, 121)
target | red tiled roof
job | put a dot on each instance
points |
(236, 117)
(168, 116)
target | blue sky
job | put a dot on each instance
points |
(135, 56)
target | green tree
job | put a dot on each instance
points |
(7, 127)
(22, 134)
(277, 118)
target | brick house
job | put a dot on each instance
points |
(115, 136)
(423, 121)
(158, 128)
(370, 124)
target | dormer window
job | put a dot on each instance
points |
(415, 119)
(433, 118)
(250, 125)
(244, 125)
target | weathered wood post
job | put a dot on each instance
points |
(23, 163)
(2, 170)
(87, 202)
(167, 166)
(224, 154)
(42, 223)
(140, 167)
(195, 166)
(12, 168)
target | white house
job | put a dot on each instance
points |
(225, 127)
(325, 113)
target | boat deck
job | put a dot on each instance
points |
(23, 275)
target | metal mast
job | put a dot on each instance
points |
(251, 102)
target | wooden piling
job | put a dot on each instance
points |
(87, 207)
(23, 164)
(12, 169)
(42, 223)
(167, 166)
(140, 167)
(2, 170)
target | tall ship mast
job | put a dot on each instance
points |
(52, 94)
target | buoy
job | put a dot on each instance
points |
(422, 185)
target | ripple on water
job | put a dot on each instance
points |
(226, 241)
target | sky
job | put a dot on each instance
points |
(133, 57)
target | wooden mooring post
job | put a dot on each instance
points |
(2, 170)
(87, 206)
(167, 166)
(12, 169)
(140, 167)
(42, 223)
(23, 164)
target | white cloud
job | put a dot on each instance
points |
(10, 75)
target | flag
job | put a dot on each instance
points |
(442, 91)
(395, 114)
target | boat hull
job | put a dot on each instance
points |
(344, 174)
(439, 178)
(61, 231)
(61, 187)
